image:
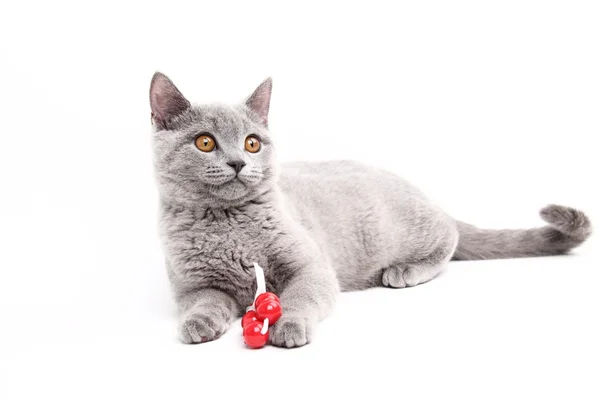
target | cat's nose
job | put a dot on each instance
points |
(236, 165)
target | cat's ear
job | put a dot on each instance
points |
(166, 101)
(259, 101)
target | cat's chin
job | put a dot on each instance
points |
(230, 191)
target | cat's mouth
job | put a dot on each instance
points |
(235, 180)
(235, 187)
(244, 180)
(232, 181)
(222, 180)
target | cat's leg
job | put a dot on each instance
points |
(205, 315)
(307, 296)
(412, 273)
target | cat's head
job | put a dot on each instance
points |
(216, 153)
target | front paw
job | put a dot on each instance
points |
(291, 331)
(201, 327)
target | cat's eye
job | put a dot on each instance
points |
(252, 144)
(205, 143)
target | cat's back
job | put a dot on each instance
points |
(327, 173)
(319, 179)
(338, 195)
(346, 190)
(324, 168)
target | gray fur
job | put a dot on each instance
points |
(316, 228)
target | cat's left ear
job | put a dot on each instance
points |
(166, 101)
(260, 100)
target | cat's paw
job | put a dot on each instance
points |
(291, 331)
(201, 327)
(400, 277)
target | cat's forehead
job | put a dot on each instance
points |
(218, 118)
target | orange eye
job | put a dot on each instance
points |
(252, 144)
(205, 143)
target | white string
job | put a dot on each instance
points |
(260, 280)
(260, 289)
(265, 327)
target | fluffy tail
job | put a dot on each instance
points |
(567, 229)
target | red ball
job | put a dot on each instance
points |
(269, 309)
(253, 337)
(249, 317)
(265, 296)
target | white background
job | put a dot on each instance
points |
(490, 107)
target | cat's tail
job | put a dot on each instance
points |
(567, 229)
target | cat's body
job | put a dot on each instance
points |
(365, 219)
(316, 228)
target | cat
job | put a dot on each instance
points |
(316, 228)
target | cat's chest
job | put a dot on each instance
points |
(217, 248)
(226, 243)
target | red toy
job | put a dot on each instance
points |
(265, 311)
(256, 335)
(250, 316)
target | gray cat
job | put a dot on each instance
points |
(315, 228)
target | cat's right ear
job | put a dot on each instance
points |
(166, 101)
